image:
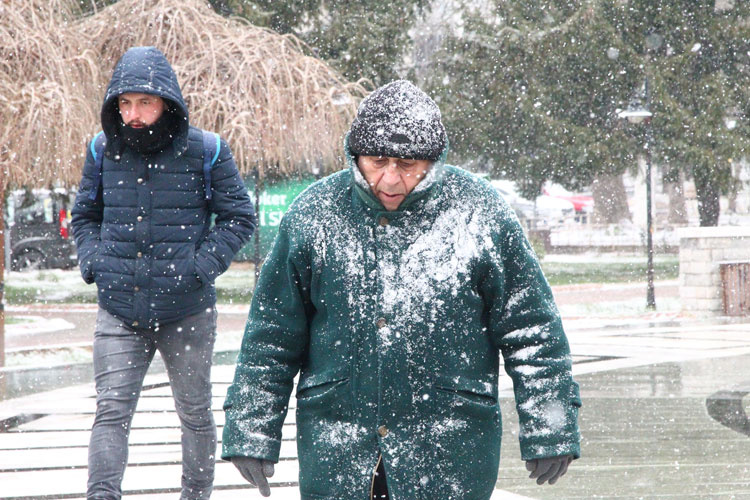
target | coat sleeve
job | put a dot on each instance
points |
(526, 326)
(276, 336)
(235, 218)
(86, 219)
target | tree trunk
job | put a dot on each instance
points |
(708, 194)
(732, 206)
(677, 207)
(428, 39)
(610, 200)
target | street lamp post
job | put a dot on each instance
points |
(637, 113)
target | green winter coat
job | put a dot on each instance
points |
(395, 320)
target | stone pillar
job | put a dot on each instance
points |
(701, 251)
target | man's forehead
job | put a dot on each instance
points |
(134, 96)
(389, 158)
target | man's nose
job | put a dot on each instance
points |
(134, 113)
(391, 174)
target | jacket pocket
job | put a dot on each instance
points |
(95, 262)
(87, 267)
(200, 274)
(186, 279)
(467, 395)
(194, 276)
(322, 391)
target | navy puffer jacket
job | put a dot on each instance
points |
(146, 239)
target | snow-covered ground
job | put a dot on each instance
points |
(58, 285)
(604, 257)
(615, 235)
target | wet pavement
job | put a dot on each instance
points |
(664, 416)
(44, 326)
(49, 346)
(648, 433)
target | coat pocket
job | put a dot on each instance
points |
(462, 440)
(467, 395)
(182, 278)
(89, 270)
(322, 392)
(102, 260)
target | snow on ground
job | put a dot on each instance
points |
(49, 285)
(618, 309)
(66, 285)
(605, 257)
(48, 358)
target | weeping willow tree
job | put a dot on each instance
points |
(47, 82)
(282, 112)
(279, 108)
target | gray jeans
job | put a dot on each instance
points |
(121, 358)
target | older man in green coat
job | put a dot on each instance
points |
(392, 287)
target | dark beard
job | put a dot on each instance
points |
(153, 138)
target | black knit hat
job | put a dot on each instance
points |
(400, 121)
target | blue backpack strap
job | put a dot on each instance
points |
(211, 146)
(97, 151)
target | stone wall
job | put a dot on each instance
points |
(701, 251)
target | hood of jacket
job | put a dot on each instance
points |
(143, 70)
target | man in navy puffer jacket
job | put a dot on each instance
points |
(143, 230)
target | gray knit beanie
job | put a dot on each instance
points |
(400, 121)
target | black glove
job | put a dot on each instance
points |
(255, 471)
(548, 469)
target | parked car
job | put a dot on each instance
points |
(39, 230)
(544, 211)
(582, 202)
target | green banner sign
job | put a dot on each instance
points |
(275, 200)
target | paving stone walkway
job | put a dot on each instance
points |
(664, 416)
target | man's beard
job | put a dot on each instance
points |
(152, 138)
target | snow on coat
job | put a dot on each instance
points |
(396, 321)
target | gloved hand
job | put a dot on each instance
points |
(548, 469)
(255, 471)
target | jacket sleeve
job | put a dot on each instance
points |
(526, 326)
(235, 218)
(276, 336)
(86, 219)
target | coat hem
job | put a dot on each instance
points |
(312, 496)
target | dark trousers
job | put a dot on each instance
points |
(121, 358)
(379, 486)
